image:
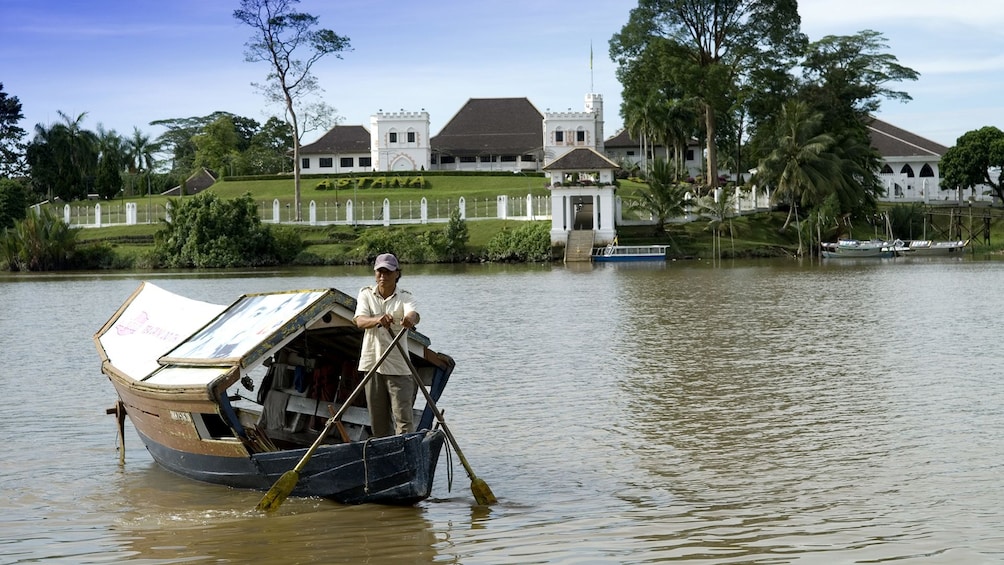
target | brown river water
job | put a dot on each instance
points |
(760, 412)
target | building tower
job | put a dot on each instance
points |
(400, 141)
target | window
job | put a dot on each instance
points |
(365, 161)
(690, 154)
(907, 170)
(529, 158)
(392, 137)
(468, 159)
(487, 158)
(325, 162)
(887, 170)
(346, 162)
(305, 163)
(447, 160)
(630, 153)
(559, 136)
(926, 171)
(508, 158)
(411, 137)
(580, 136)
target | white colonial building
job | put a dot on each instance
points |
(399, 141)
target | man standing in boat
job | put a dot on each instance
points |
(390, 394)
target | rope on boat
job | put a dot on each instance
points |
(449, 463)
(366, 467)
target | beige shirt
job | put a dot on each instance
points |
(376, 340)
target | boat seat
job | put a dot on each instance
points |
(311, 406)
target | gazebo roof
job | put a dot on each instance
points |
(581, 159)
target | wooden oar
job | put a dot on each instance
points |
(287, 482)
(482, 493)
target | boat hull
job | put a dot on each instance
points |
(175, 426)
(926, 248)
(396, 470)
(853, 249)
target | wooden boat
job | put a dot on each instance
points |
(928, 248)
(615, 252)
(235, 395)
(855, 249)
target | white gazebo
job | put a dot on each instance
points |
(582, 195)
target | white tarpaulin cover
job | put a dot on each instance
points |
(153, 323)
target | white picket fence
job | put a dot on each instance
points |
(331, 212)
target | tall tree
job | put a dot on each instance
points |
(13, 202)
(710, 42)
(63, 158)
(140, 152)
(846, 77)
(967, 164)
(217, 145)
(801, 169)
(280, 34)
(11, 136)
(111, 163)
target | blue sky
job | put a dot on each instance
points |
(129, 62)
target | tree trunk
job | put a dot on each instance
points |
(709, 123)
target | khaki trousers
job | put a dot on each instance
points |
(391, 400)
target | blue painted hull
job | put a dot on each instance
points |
(391, 470)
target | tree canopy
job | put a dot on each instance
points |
(700, 47)
(11, 135)
(969, 162)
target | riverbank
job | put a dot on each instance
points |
(749, 236)
(756, 235)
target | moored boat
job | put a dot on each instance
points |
(854, 249)
(236, 395)
(929, 248)
(615, 252)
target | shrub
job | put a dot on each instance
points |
(529, 242)
(209, 232)
(39, 242)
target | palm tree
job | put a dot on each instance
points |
(679, 124)
(720, 211)
(801, 168)
(640, 121)
(75, 151)
(663, 199)
(139, 152)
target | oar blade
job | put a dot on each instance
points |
(275, 496)
(483, 495)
